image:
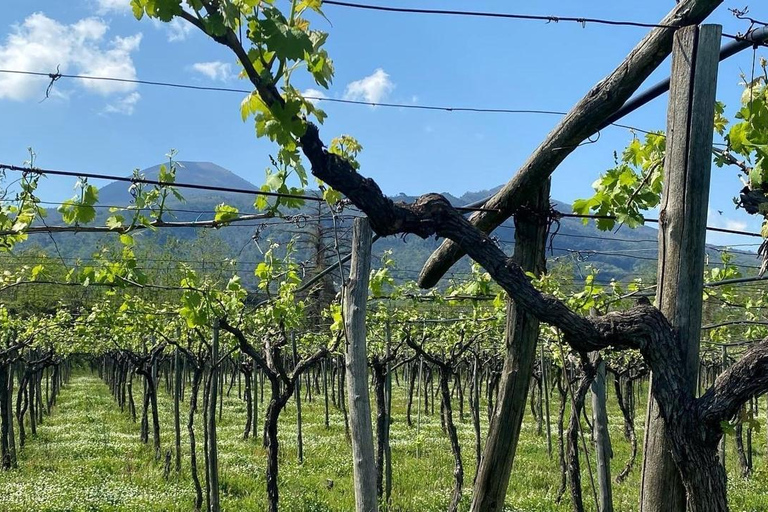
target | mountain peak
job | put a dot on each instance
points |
(195, 173)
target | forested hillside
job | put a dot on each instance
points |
(623, 255)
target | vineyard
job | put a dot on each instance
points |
(203, 344)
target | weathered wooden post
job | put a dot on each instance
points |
(522, 332)
(6, 418)
(324, 369)
(361, 429)
(299, 437)
(682, 234)
(177, 374)
(721, 446)
(418, 407)
(212, 448)
(545, 384)
(254, 399)
(388, 422)
(603, 450)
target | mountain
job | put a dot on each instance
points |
(195, 173)
(621, 255)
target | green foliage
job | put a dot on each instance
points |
(164, 10)
(630, 188)
(747, 138)
(119, 269)
(634, 185)
(225, 213)
(287, 164)
(146, 210)
(732, 303)
(745, 418)
(337, 325)
(79, 209)
(202, 302)
(287, 41)
(280, 44)
(381, 279)
(721, 122)
(17, 215)
(278, 278)
(348, 148)
(479, 284)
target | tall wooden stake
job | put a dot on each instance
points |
(522, 332)
(361, 429)
(545, 383)
(418, 407)
(299, 437)
(323, 368)
(213, 450)
(255, 400)
(682, 233)
(177, 374)
(603, 451)
(721, 446)
(388, 421)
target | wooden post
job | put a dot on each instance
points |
(213, 457)
(299, 438)
(361, 429)
(388, 421)
(545, 383)
(603, 451)
(721, 446)
(222, 381)
(177, 373)
(418, 408)
(752, 412)
(475, 405)
(324, 369)
(540, 405)
(682, 234)
(5, 417)
(255, 400)
(522, 332)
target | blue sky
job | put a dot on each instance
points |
(428, 60)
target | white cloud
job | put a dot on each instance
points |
(716, 219)
(125, 105)
(115, 62)
(373, 88)
(42, 44)
(735, 225)
(215, 70)
(313, 95)
(113, 6)
(177, 30)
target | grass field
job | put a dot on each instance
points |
(87, 456)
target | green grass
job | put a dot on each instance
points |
(87, 456)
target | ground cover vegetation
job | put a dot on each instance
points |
(178, 388)
(88, 455)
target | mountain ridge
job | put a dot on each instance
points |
(623, 256)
